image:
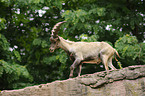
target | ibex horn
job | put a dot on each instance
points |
(56, 28)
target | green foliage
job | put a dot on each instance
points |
(86, 38)
(17, 55)
(129, 47)
(11, 72)
(37, 42)
(27, 24)
(2, 21)
(3, 43)
(120, 65)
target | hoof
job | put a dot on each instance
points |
(70, 76)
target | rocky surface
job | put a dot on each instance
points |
(129, 81)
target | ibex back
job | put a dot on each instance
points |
(83, 52)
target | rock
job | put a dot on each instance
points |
(129, 81)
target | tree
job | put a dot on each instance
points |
(25, 27)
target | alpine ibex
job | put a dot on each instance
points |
(83, 52)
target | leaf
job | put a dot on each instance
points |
(132, 24)
(58, 3)
(4, 43)
(120, 65)
(44, 44)
(62, 57)
(129, 48)
(37, 42)
(6, 67)
(101, 11)
(1, 71)
(17, 55)
(93, 11)
(48, 60)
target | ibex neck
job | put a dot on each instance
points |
(65, 44)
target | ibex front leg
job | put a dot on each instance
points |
(76, 63)
(79, 67)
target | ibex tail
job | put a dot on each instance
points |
(116, 53)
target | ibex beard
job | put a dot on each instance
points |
(83, 52)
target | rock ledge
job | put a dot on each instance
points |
(129, 81)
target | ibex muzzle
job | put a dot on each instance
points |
(83, 52)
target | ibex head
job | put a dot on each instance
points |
(54, 37)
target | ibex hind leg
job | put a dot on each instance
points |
(105, 62)
(110, 63)
(79, 67)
